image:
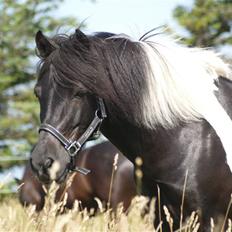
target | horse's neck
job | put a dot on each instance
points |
(160, 144)
(131, 140)
(124, 136)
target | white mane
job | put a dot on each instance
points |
(181, 87)
(180, 81)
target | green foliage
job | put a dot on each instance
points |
(208, 22)
(19, 110)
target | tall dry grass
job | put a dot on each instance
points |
(15, 218)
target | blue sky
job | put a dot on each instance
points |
(133, 17)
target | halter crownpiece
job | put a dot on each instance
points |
(73, 147)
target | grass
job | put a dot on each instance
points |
(15, 218)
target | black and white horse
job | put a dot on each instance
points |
(154, 98)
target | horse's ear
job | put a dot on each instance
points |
(43, 45)
(81, 37)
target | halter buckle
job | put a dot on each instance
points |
(73, 148)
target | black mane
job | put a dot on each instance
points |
(103, 64)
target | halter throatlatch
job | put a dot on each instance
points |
(73, 147)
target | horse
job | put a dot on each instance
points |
(85, 188)
(154, 98)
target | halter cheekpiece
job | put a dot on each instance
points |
(73, 147)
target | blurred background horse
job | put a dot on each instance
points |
(99, 159)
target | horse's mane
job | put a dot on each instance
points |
(152, 82)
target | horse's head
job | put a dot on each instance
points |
(63, 109)
(76, 72)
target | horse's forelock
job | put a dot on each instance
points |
(68, 61)
(109, 68)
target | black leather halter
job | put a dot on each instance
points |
(73, 147)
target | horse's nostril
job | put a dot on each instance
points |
(48, 163)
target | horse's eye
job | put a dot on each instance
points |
(78, 95)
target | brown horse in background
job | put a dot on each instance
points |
(99, 159)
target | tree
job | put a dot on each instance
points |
(208, 22)
(19, 21)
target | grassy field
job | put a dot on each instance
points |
(15, 218)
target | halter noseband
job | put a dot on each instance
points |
(73, 147)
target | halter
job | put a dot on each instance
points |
(73, 147)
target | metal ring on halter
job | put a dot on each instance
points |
(73, 148)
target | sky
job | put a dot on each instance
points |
(132, 17)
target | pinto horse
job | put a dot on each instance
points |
(153, 98)
(99, 159)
